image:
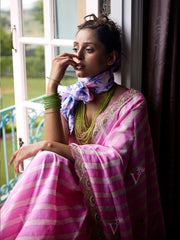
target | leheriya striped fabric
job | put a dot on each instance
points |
(111, 193)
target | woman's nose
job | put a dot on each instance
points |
(80, 54)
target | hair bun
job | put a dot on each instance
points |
(90, 17)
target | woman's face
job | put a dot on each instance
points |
(91, 56)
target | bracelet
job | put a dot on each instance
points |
(53, 80)
(52, 101)
(55, 111)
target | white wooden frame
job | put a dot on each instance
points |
(19, 71)
(129, 15)
(92, 6)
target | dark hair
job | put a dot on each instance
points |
(107, 31)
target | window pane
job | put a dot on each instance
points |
(66, 27)
(6, 71)
(66, 19)
(33, 18)
(35, 71)
(69, 14)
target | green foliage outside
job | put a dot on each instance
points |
(38, 12)
(34, 64)
(5, 39)
(2, 163)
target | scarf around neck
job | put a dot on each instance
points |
(83, 90)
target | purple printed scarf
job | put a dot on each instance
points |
(83, 91)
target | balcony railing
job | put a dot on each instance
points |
(8, 132)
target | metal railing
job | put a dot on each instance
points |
(8, 133)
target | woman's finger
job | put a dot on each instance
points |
(13, 158)
(67, 55)
(16, 166)
(16, 162)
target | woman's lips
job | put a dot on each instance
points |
(80, 67)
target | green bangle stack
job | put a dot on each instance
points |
(52, 101)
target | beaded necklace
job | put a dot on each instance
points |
(83, 130)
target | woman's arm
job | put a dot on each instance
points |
(53, 125)
(56, 128)
(30, 150)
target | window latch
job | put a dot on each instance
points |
(12, 44)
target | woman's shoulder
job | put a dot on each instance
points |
(125, 94)
(119, 91)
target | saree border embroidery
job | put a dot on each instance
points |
(104, 117)
(89, 196)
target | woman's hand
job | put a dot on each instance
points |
(30, 150)
(60, 64)
(26, 151)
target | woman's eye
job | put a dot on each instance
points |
(89, 50)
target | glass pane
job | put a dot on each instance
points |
(35, 71)
(33, 18)
(66, 19)
(6, 71)
(69, 14)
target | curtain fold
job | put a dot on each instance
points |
(161, 87)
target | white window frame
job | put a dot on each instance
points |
(124, 12)
(129, 15)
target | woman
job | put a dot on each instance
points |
(94, 175)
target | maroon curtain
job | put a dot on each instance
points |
(161, 87)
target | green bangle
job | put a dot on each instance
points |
(53, 80)
(52, 111)
(52, 101)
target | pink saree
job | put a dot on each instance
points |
(111, 192)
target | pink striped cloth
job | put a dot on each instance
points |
(111, 193)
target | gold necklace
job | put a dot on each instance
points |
(83, 131)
